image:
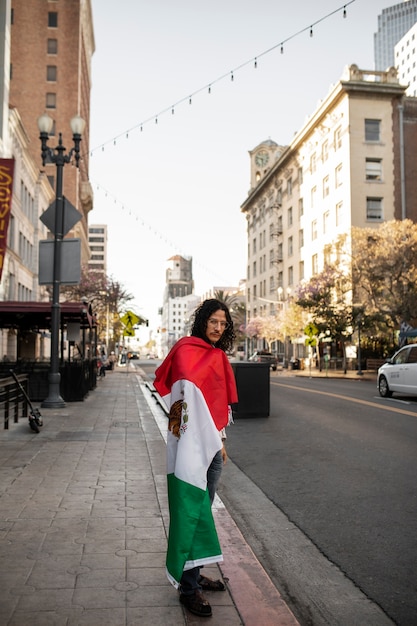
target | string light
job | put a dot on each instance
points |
(231, 74)
(155, 232)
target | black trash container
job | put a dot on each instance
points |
(253, 388)
(294, 363)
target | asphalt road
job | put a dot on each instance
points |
(341, 464)
(324, 491)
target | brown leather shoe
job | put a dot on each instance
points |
(196, 603)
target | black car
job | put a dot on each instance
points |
(262, 356)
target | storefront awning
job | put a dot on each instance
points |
(37, 315)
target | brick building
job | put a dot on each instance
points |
(51, 48)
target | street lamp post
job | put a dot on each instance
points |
(57, 156)
(359, 372)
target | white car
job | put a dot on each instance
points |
(399, 374)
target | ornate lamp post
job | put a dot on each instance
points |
(57, 155)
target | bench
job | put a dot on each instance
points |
(374, 364)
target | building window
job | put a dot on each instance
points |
(325, 151)
(326, 189)
(51, 73)
(301, 238)
(52, 46)
(290, 217)
(313, 163)
(290, 275)
(51, 100)
(280, 280)
(52, 19)
(339, 211)
(290, 246)
(373, 169)
(279, 196)
(338, 138)
(314, 230)
(289, 187)
(313, 197)
(301, 207)
(254, 245)
(374, 209)
(300, 175)
(338, 176)
(372, 130)
(301, 270)
(254, 269)
(314, 264)
(51, 179)
(326, 217)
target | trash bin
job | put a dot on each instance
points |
(253, 389)
(294, 364)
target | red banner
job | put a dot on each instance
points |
(6, 192)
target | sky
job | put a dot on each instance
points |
(170, 183)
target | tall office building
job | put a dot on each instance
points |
(406, 61)
(352, 164)
(179, 300)
(97, 238)
(393, 23)
(50, 71)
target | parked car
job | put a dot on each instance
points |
(399, 374)
(262, 356)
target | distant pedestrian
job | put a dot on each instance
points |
(112, 360)
(198, 386)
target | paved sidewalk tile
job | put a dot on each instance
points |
(84, 515)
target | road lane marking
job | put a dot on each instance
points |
(357, 400)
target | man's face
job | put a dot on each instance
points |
(216, 325)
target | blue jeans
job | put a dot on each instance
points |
(190, 578)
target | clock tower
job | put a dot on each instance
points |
(262, 159)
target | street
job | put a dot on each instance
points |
(342, 468)
(337, 464)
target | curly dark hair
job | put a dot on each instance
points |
(201, 317)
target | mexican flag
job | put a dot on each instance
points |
(199, 381)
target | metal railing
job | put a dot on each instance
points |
(13, 403)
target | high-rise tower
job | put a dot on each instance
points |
(393, 23)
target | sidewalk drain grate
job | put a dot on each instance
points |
(125, 424)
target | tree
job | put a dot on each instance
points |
(106, 296)
(328, 298)
(384, 272)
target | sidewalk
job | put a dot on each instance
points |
(83, 523)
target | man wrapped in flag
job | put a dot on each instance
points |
(198, 386)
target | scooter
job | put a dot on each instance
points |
(35, 417)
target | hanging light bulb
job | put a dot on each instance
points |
(282, 48)
(255, 63)
(209, 88)
(344, 11)
(311, 31)
(231, 76)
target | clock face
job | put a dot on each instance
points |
(262, 158)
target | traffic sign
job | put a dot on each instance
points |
(128, 332)
(310, 330)
(130, 319)
(311, 341)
